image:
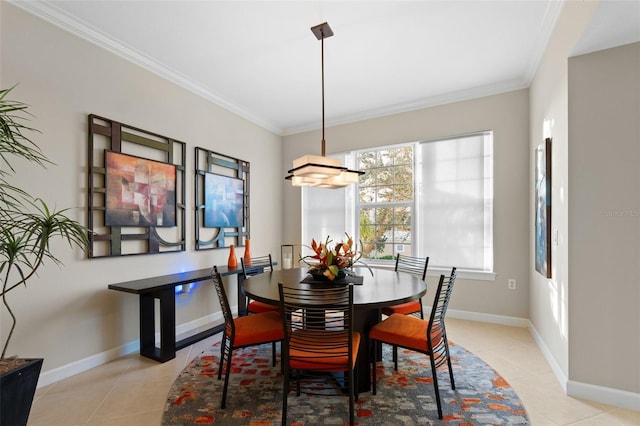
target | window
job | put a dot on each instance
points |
(428, 198)
(386, 201)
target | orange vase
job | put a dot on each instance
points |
(247, 252)
(233, 261)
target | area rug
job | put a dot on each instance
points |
(405, 397)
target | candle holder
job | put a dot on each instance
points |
(286, 256)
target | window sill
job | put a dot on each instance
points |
(437, 271)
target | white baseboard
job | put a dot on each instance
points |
(203, 322)
(555, 367)
(615, 397)
(490, 318)
(82, 365)
(610, 396)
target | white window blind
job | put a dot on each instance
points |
(328, 212)
(455, 201)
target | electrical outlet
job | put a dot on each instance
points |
(511, 284)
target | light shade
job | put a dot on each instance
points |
(321, 172)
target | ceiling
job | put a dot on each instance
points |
(260, 60)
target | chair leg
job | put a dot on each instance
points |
(285, 394)
(373, 367)
(453, 383)
(356, 388)
(351, 391)
(273, 354)
(395, 357)
(434, 374)
(421, 310)
(226, 379)
(298, 378)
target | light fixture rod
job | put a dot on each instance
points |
(322, 60)
(321, 32)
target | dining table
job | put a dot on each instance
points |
(373, 289)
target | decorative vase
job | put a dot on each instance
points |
(247, 252)
(233, 261)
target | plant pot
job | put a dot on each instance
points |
(17, 389)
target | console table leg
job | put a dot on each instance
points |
(167, 324)
(167, 349)
(147, 326)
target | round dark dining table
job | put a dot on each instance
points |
(384, 288)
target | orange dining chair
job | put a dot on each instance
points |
(253, 266)
(244, 331)
(318, 340)
(427, 337)
(418, 267)
(412, 265)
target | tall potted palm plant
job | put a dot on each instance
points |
(27, 225)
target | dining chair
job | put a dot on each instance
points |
(244, 331)
(412, 265)
(415, 334)
(252, 266)
(416, 266)
(318, 340)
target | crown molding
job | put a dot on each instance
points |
(443, 99)
(554, 8)
(57, 17)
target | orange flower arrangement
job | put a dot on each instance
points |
(332, 261)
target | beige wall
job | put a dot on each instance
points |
(585, 318)
(604, 219)
(68, 315)
(549, 118)
(507, 115)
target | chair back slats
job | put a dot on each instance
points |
(436, 331)
(318, 326)
(318, 339)
(333, 313)
(412, 265)
(224, 302)
(256, 265)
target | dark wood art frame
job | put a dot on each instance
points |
(543, 209)
(109, 241)
(212, 162)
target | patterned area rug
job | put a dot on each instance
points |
(405, 397)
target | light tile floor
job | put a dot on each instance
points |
(132, 390)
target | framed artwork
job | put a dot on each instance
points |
(136, 190)
(543, 208)
(140, 192)
(223, 201)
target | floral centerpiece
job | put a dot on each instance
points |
(332, 262)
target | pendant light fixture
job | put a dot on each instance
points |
(315, 170)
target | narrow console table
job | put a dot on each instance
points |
(163, 289)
